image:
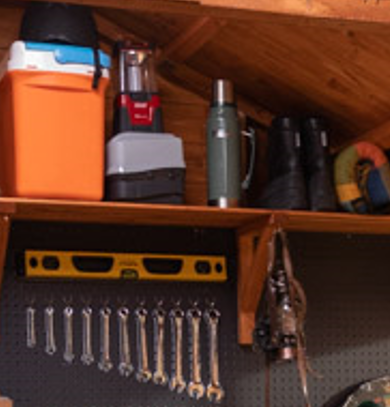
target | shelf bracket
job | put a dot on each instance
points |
(253, 265)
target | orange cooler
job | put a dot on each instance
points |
(52, 122)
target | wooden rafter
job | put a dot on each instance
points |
(191, 40)
(181, 74)
(110, 30)
(350, 10)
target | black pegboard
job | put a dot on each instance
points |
(347, 281)
(31, 377)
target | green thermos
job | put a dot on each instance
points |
(224, 148)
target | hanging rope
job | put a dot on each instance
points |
(279, 330)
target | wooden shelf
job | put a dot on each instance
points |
(254, 228)
(127, 213)
(241, 219)
(302, 221)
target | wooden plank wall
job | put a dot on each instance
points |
(184, 112)
(185, 115)
(9, 26)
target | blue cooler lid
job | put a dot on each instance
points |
(70, 54)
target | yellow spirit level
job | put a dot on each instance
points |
(135, 266)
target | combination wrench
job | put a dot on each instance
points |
(160, 376)
(68, 331)
(50, 347)
(105, 363)
(125, 366)
(31, 329)
(195, 388)
(215, 392)
(143, 373)
(177, 382)
(87, 357)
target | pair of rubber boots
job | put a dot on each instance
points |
(299, 166)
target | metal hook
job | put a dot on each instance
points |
(86, 300)
(175, 302)
(30, 300)
(67, 300)
(104, 301)
(159, 303)
(50, 301)
(210, 303)
(194, 303)
(121, 301)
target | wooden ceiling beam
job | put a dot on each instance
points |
(192, 40)
(110, 31)
(328, 10)
(181, 74)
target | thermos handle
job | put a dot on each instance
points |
(251, 134)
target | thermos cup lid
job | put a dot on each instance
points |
(285, 123)
(314, 123)
(310, 123)
(223, 92)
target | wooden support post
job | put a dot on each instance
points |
(4, 234)
(253, 264)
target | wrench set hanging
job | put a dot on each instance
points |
(145, 371)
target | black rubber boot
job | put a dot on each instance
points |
(286, 184)
(318, 166)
